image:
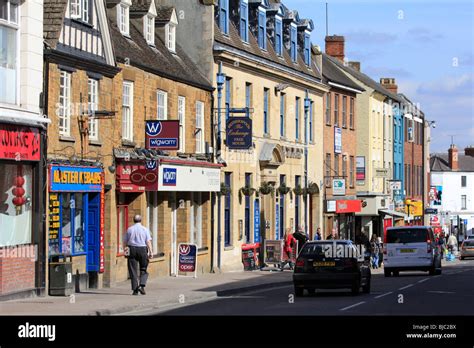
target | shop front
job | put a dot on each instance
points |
(21, 210)
(340, 215)
(371, 220)
(76, 220)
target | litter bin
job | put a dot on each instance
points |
(60, 276)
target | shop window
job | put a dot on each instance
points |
(73, 237)
(152, 214)
(122, 226)
(16, 190)
(196, 219)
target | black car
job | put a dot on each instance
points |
(331, 264)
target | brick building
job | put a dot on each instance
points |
(22, 144)
(340, 146)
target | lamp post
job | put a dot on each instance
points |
(220, 86)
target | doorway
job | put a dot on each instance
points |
(93, 232)
(174, 238)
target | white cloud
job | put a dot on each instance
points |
(452, 85)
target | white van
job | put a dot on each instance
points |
(411, 248)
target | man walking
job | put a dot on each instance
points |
(138, 241)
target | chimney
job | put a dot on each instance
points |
(389, 84)
(335, 47)
(469, 151)
(355, 65)
(453, 157)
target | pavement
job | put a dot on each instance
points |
(411, 293)
(162, 294)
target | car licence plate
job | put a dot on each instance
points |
(407, 251)
(324, 263)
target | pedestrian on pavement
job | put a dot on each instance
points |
(138, 242)
(317, 236)
(375, 247)
(442, 244)
(301, 237)
(452, 243)
(379, 240)
(333, 235)
(290, 245)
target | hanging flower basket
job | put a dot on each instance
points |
(283, 189)
(225, 190)
(246, 191)
(266, 189)
(298, 191)
(312, 188)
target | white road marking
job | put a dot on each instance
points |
(423, 280)
(354, 305)
(406, 287)
(388, 293)
(442, 292)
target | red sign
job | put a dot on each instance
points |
(386, 224)
(348, 206)
(137, 176)
(162, 135)
(102, 213)
(19, 143)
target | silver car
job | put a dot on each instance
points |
(467, 249)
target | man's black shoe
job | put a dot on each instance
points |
(142, 290)
(135, 292)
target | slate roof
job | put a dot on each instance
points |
(140, 6)
(163, 13)
(234, 40)
(53, 17)
(440, 163)
(158, 60)
(365, 79)
(332, 74)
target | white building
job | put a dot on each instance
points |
(452, 189)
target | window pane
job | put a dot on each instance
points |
(79, 236)
(66, 223)
(3, 9)
(8, 65)
(15, 222)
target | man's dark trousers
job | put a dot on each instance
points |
(138, 256)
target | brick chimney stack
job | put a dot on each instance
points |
(453, 157)
(469, 151)
(335, 47)
(389, 84)
(355, 65)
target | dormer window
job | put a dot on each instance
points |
(224, 16)
(262, 28)
(123, 18)
(79, 9)
(149, 29)
(307, 48)
(278, 36)
(294, 43)
(244, 20)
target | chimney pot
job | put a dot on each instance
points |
(335, 47)
(469, 151)
(453, 157)
(389, 84)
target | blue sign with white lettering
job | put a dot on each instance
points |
(256, 219)
(169, 176)
(277, 222)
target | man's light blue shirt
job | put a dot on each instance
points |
(137, 235)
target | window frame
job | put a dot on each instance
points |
(344, 111)
(244, 20)
(279, 36)
(248, 94)
(224, 16)
(307, 49)
(463, 202)
(262, 28)
(123, 19)
(351, 171)
(282, 114)
(196, 199)
(170, 35)
(129, 131)
(64, 113)
(328, 170)
(266, 111)
(297, 118)
(336, 109)
(153, 218)
(92, 107)
(351, 113)
(293, 42)
(463, 180)
(228, 210)
(328, 109)
(161, 108)
(182, 123)
(83, 8)
(121, 234)
(11, 24)
(200, 130)
(149, 29)
(311, 121)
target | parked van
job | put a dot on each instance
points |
(411, 248)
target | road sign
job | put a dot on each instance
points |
(187, 261)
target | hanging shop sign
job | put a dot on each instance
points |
(337, 140)
(187, 258)
(19, 143)
(360, 168)
(348, 206)
(75, 179)
(256, 221)
(413, 208)
(239, 133)
(188, 178)
(339, 187)
(137, 176)
(162, 135)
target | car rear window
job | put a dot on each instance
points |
(318, 249)
(469, 243)
(407, 236)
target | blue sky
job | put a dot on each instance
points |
(427, 46)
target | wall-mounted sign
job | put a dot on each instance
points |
(337, 140)
(413, 208)
(256, 221)
(395, 185)
(431, 211)
(183, 178)
(19, 143)
(331, 206)
(436, 195)
(360, 168)
(75, 179)
(339, 187)
(137, 176)
(348, 206)
(162, 135)
(239, 133)
(382, 173)
(54, 224)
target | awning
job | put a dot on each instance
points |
(393, 213)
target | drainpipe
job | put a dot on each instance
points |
(213, 194)
(307, 103)
(220, 86)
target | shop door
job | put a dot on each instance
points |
(93, 233)
(174, 238)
